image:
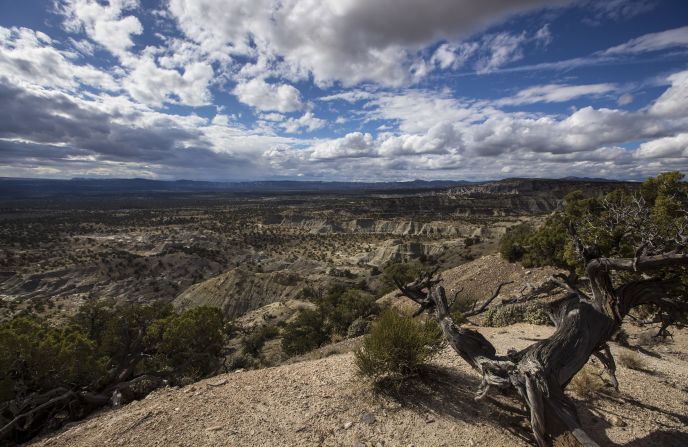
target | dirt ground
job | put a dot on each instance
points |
(323, 402)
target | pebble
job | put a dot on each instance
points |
(348, 425)
(616, 421)
(368, 418)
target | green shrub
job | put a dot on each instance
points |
(458, 318)
(359, 327)
(240, 361)
(533, 313)
(254, 342)
(397, 346)
(511, 244)
(403, 271)
(190, 342)
(305, 333)
(36, 357)
(341, 308)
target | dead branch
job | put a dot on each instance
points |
(487, 302)
(540, 373)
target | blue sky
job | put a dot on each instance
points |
(343, 89)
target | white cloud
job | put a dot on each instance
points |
(353, 145)
(439, 139)
(453, 56)
(348, 96)
(667, 147)
(497, 50)
(107, 24)
(625, 99)
(332, 40)
(28, 56)
(257, 93)
(154, 85)
(674, 101)
(265, 46)
(555, 93)
(543, 36)
(677, 37)
(276, 117)
(307, 122)
(490, 52)
(615, 9)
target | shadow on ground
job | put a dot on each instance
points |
(663, 438)
(450, 393)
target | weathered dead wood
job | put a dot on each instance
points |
(541, 372)
(31, 413)
(488, 301)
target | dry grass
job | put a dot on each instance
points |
(632, 360)
(647, 340)
(588, 383)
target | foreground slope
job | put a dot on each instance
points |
(323, 402)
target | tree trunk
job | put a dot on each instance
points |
(541, 372)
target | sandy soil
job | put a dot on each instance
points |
(323, 402)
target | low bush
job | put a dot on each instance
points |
(397, 346)
(359, 327)
(149, 342)
(533, 313)
(305, 333)
(402, 271)
(587, 384)
(254, 342)
(341, 307)
(511, 245)
(632, 360)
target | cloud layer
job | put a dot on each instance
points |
(340, 90)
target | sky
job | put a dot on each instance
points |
(346, 90)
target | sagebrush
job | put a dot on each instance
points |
(397, 346)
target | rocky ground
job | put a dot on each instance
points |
(475, 281)
(324, 402)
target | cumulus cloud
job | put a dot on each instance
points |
(353, 145)
(153, 85)
(106, 23)
(257, 93)
(435, 126)
(674, 101)
(314, 37)
(28, 56)
(66, 117)
(306, 122)
(50, 129)
(672, 147)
